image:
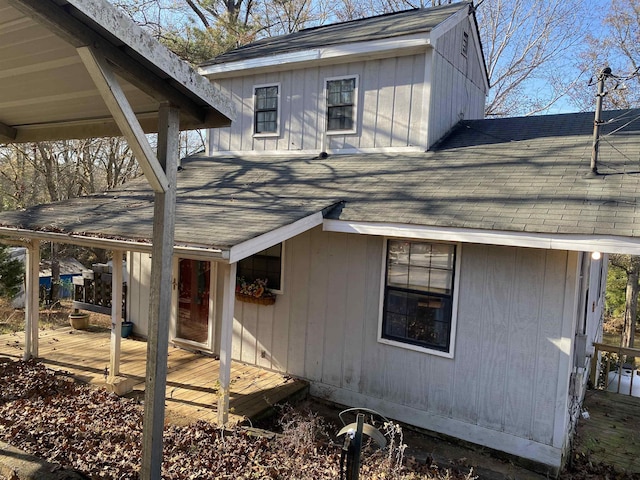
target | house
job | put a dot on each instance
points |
(445, 270)
(69, 268)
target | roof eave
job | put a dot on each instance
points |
(134, 55)
(406, 45)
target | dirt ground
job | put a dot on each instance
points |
(447, 454)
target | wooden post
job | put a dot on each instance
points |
(116, 313)
(226, 337)
(160, 299)
(32, 300)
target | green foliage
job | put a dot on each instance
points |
(196, 45)
(616, 291)
(11, 274)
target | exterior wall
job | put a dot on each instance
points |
(505, 388)
(139, 291)
(390, 100)
(457, 87)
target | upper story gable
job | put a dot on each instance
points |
(395, 82)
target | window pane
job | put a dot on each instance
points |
(396, 325)
(441, 281)
(397, 302)
(421, 254)
(398, 275)
(442, 256)
(418, 278)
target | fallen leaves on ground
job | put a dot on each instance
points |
(46, 414)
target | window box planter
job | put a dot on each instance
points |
(258, 300)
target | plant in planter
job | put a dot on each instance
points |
(254, 292)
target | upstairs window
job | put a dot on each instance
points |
(418, 295)
(341, 105)
(266, 102)
(266, 264)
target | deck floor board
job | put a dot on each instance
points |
(611, 434)
(192, 378)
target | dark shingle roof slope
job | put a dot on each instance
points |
(525, 174)
(368, 29)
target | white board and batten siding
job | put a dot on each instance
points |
(505, 387)
(457, 86)
(389, 103)
(138, 291)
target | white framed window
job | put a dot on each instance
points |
(419, 297)
(342, 105)
(266, 110)
(267, 264)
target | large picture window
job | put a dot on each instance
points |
(265, 103)
(418, 294)
(341, 104)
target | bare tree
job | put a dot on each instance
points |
(531, 50)
(616, 46)
(630, 264)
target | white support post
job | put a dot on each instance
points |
(116, 313)
(226, 337)
(32, 300)
(160, 299)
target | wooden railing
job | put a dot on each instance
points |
(93, 292)
(624, 377)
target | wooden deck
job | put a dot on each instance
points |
(192, 379)
(611, 434)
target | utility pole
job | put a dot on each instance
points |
(602, 76)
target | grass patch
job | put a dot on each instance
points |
(51, 317)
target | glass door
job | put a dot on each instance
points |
(193, 322)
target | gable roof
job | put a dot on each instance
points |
(512, 181)
(409, 22)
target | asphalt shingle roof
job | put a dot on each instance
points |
(408, 22)
(525, 174)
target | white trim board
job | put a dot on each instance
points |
(315, 152)
(505, 442)
(7, 235)
(262, 242)
(580, 243)
(408, 45)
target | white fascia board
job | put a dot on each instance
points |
(406, 45)
(461, 16)
(86, 241)
(269, 239)
(580, 243)
(19, 236)
(449, 23)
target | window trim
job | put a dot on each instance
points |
(454, 300)
(353, 130)
(266, 134)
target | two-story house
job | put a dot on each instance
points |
(427, 263)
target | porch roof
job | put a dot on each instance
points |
(518, 177)
(46, 92)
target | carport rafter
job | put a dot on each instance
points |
(148, 77)
(123, 114)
